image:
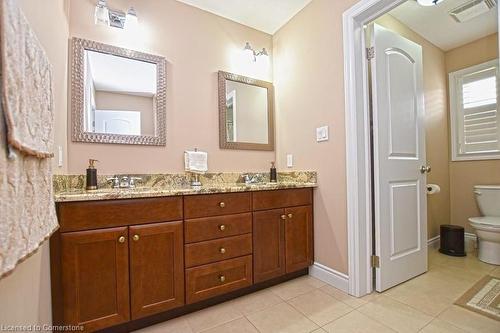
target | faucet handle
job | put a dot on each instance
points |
(133, 180)
(115, 181)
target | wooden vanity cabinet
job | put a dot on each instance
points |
(283, 232)
(108, 276)
(124, 264)
(156, 268)
(95, 278)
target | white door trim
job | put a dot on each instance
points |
(357, 124)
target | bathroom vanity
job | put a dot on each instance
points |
(123, 264)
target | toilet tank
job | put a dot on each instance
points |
(488, 199)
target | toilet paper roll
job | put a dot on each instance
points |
(433, 188)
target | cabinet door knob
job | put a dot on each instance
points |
(290, 215)
(222, 278)
(222, 204)
(135, 237)
(222, 227)
(283, 217)
(222, 250)
(121, 239)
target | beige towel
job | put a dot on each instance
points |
(27, 84)
(27, 212)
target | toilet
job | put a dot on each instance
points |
(487, 227)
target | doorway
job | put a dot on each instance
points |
(362, 209)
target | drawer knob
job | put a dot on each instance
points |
(121, 239)
(222, 227)
(222, 204)
(222, 250)
(290, 215)
(135, 237)
(222, 278)
(283, 217)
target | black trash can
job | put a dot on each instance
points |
(452, 240)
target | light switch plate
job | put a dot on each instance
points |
(289, 160)
(322, 134)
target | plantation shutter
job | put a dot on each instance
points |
(478, 121)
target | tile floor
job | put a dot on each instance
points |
(424, 304)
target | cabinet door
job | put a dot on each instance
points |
(268, 244)
(95, 278)
(156, 268)
(298, 238)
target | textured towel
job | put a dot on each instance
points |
(27, 84)
(27, 211)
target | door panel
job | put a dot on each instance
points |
(298, 238)
(398, 153)
(95, 277)
(156, 268)
(268, 244)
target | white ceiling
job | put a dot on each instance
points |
(122, 75)
(264, 15)
(437, 26)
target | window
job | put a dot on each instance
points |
(475, 124)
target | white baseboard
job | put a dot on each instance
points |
(469, 237)
(330, 276)
(434, 242)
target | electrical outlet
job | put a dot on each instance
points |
(289, 160)
(59, 156)
(322, 134)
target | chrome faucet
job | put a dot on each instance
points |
(123, 181)
(252, 179)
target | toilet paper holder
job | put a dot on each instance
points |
(433, 188)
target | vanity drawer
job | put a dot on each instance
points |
(282, 198)
(85, 215)
(219, 278)
(219, 249)
(216, 204)
(197, 230)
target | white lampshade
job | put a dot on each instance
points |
(131, 20)
(101, 14)
(428, 2)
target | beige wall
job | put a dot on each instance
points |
(436, 123)
(308, 75)
(106, 100)
(25, 294)
(196, 45)
(465, 174)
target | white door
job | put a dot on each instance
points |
(400, 202)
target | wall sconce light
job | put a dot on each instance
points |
(252, 55)
(428, 2)
(103, 15)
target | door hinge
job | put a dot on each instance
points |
(375, 260)
(370, 53)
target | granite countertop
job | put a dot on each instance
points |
(147, 192)
(69, 188)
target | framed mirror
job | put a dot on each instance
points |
(117, 95)
(246, 113)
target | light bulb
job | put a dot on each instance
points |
(101, 14)
(428, 2)
(263, 59)
(249, 53)
(131, 20)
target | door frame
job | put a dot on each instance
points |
(357, 125)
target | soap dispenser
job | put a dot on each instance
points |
(273, 176)
(91, 175)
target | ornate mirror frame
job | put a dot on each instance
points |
(223, 143)
(77, 95)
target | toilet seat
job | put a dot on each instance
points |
(488, 222)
